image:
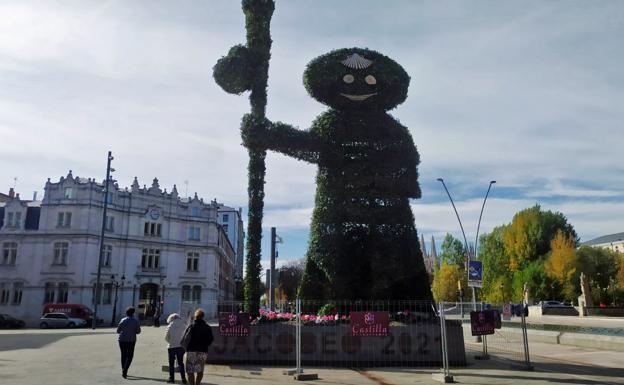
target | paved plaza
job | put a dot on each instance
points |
(83, 356)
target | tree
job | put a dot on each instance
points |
(539, 284)
(528, 236)
(453, 252)
(444, 285)
(620, 274)
(562, 263)
(495, 261)
(289, 278)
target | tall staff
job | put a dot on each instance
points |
(245, 68)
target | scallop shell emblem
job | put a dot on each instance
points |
(356, 61)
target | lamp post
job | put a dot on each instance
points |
(275, 239)
(474, 298)
(481, 215)
(116, 284)
(98, 289)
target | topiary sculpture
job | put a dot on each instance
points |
(363, 242)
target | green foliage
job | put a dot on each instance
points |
(562, 263)
(453, 252)
(495, 265)
(324, 76)
(540, 285)
(246, 68)
(528, 236)
(363, 243)
(289, 278)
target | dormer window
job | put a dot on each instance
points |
(226, 217)
(14, 219)
(194, 211)
(69, 192)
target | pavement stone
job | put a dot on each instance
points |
(83, 356)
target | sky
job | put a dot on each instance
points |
(529, 94)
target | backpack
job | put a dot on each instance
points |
(186, 338)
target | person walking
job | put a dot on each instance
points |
(127, 329)
(173, 334)
(157, 317)
(197, 349)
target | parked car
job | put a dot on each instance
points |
(553, 304)
(8, 322)
(60, 320)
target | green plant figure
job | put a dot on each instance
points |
(363, 242)
(245, 68)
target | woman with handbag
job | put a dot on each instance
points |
(197, 338)
(173, 335)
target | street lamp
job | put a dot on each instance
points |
(480, 215)
(98, 289)
(116, 284)
(474, 299)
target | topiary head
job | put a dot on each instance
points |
(356, 78)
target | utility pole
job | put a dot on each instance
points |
(272, 272)
(98, 289)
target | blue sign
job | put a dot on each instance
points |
(475, 274)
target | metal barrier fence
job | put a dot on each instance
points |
(335, 333)
(509, 341)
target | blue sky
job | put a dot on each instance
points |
(527, 93)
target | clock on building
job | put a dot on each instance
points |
(154, 213)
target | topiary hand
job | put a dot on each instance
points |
(254, 131)
(234, 72)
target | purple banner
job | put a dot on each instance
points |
(370, 323)
(234, 324)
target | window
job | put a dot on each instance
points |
(64, 220)
(193, 233)
(4, 293)
(63, 291)
(107, 294)
(69, 193)
(150, 258)
(225, 228)
(196, 294)
(110, 223)
(49, 293)
(194, 211)
(226, 217)
(60, 253)
(17, 293)
(14, 219)
(109, 198)
(107, 252)
(192, 262)
(186, 293)
(152, 229)
(9, 253)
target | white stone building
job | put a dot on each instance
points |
(168, 250)
(613, 242)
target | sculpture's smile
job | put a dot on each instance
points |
(358, 98)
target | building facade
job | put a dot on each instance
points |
(613, 242)
(159, 250)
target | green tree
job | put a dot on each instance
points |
(289, 278)
(453, 252)
(528, 236)
(541, 287)
(495, 261)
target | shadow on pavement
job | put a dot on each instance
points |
(34, 341)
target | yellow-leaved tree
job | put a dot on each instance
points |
(562, 263)
(444, 286)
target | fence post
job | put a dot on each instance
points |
(445, 376)
(298, 336)
(525, 342)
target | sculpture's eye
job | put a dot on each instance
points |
(370, 79)
(348, 78)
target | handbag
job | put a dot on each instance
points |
(186, 338)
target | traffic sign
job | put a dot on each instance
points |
(475, 274)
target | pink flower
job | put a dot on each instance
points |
(344, 317)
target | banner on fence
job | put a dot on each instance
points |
(482, 322)
(234, 324)
(369, 323)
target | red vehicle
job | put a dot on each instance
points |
(74, 310)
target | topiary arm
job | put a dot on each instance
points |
(408, 174)
(280, 137)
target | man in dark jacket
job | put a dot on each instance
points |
(197, 349)
(128, 329)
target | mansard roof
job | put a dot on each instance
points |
(617, 237)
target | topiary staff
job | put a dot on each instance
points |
(245, 68)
